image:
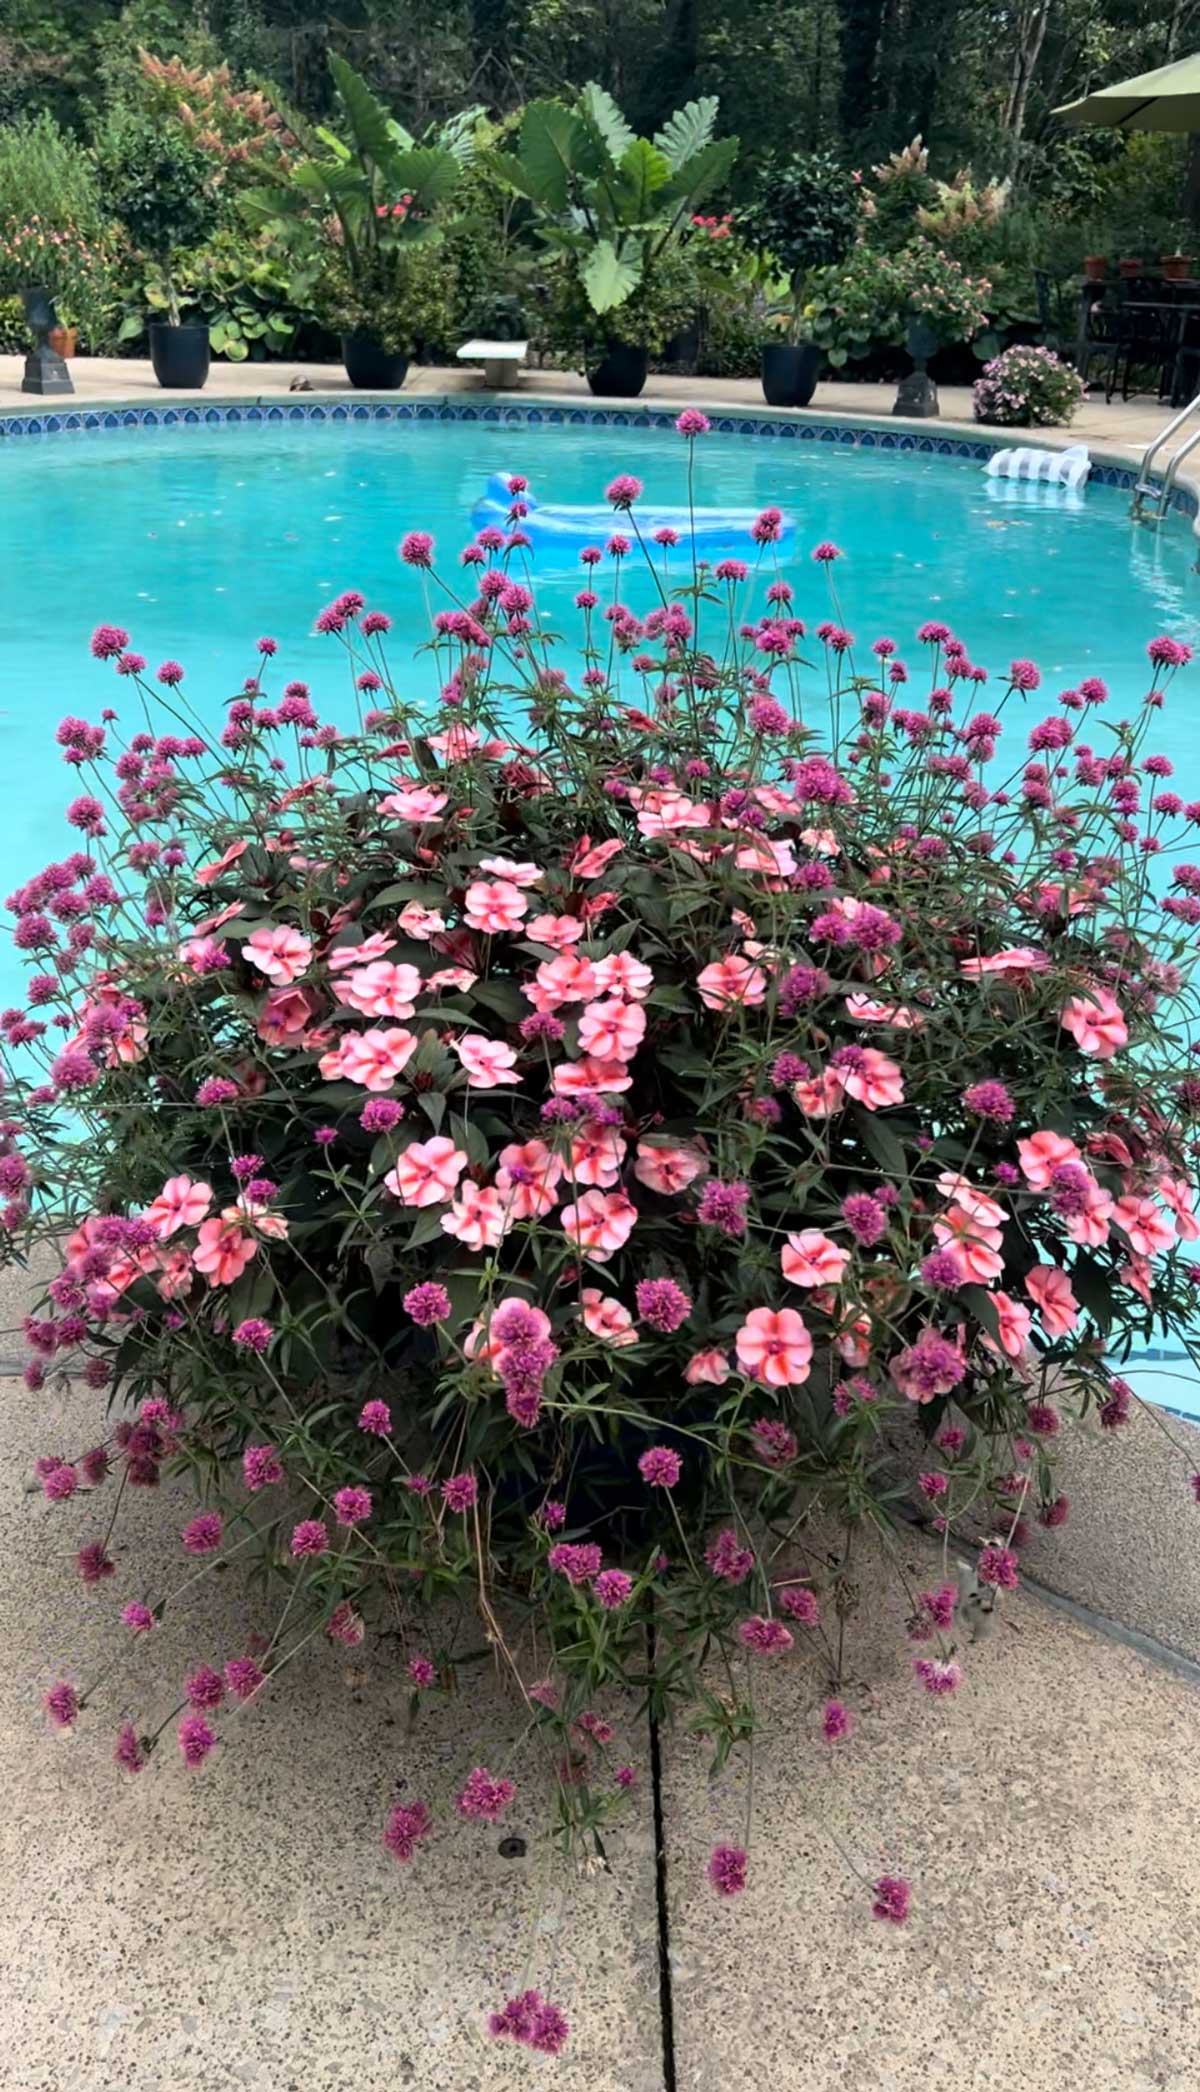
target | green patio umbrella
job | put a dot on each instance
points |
(1165, 100)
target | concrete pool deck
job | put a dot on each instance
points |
(1122, 429)
(243, 1928)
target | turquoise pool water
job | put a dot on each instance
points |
(200, 540)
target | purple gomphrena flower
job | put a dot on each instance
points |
(1024, 676)
(799, 1605)
(723, 1206)
(170, 673)
(62, 1704)
(422, 1672)
(128, 1753)
(625, 1776)
(352, 1505)
(998, 1566)
(484, 1797)
(662, 1304)
(310, 1537)
(416, 548)
(660, 1467)
(460, 1492)
(692, 422)
(865, 1217)
(59, 1482)
(137, 1617)
(825, 553)
(109, 640)
(937, 1677)
(243, 1677)
(203, 1534)
(892, 1899)
(727, 1869)
(205, 1688)
(254, 1334)
(261, 1467)
(94, 1562)
(727, 1558)
(941, 1268)
(836, 1721)
(427, 1304)
(623, 491)
(989, 1100)
(217, 1089)
(376, 1418)
(196, 1740)
(578, 1560)
(768, 1637)
(408, 1823)
(380, 1114)
(613, 1588)
(532, 2020)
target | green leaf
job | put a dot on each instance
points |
(369, 121)
(600, 110)
(688, 131)
(608, 277)
(883, 1143)
(507, 169)
(707, 170)
(643, 173)
(552, 140)
(979, 1303)
(502, 996)
(427, 173)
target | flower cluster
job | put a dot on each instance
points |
(531, 1149)
(1027, 387)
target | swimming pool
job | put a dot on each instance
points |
(199, 539)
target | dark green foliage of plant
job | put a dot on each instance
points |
(804, 212)
(161, 189)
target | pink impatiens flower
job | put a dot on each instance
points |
(1050, 1289)
(774, 1346)
(526, 1179)
(182, 1203)
(709, 1368)
(1096, 1024)
(478, 1217)
(493, 905)
(488, 1062)
(1041, 1155)
(729, 981)
(427, 1173)
(224, 1248)
(599, 1223)
(811, 1258)
(612, 1030)
(380, 989)
(606, 1318)
(1147, 1227)
(1015, 1323)
(667, 1167)
(373, 1058)
(280, 951)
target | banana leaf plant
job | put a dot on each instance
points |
(375, 191)
(609, 200)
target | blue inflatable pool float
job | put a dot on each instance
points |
(567, 526)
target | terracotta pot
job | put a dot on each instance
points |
(63, 339)
(1177, 267)
(1095, 267)
(1131, 265)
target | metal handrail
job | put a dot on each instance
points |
(1160, 439)
(1177, 457)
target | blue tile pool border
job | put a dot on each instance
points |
(25, 424)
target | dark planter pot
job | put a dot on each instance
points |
(790, 373)
(371, 368)
(917, 394)
(684, 348)
(620, 373)
(1095, 267)
(180, 356)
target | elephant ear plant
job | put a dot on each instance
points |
(612, 207)
(367, 199)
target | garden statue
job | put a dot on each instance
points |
(45, 368)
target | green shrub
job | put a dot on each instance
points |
(1025, 388)
(47, 174)
(160, 185)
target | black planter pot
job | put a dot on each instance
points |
(180, 356)
(790, 373)
(620, 373)
(371, 368)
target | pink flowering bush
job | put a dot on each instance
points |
(534, 1149)
(1027, 387)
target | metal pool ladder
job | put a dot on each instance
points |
(1152, 498)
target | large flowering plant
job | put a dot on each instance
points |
(1027, 387)
(535, 1148)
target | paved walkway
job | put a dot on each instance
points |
(1124, 429)
(244, 1928)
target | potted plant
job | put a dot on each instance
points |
(612, 207)
(805, 216)
(1176, 267)
(160, 187)
(366, 201)
(1095, 267)
(1130, 265)
(939, 304)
